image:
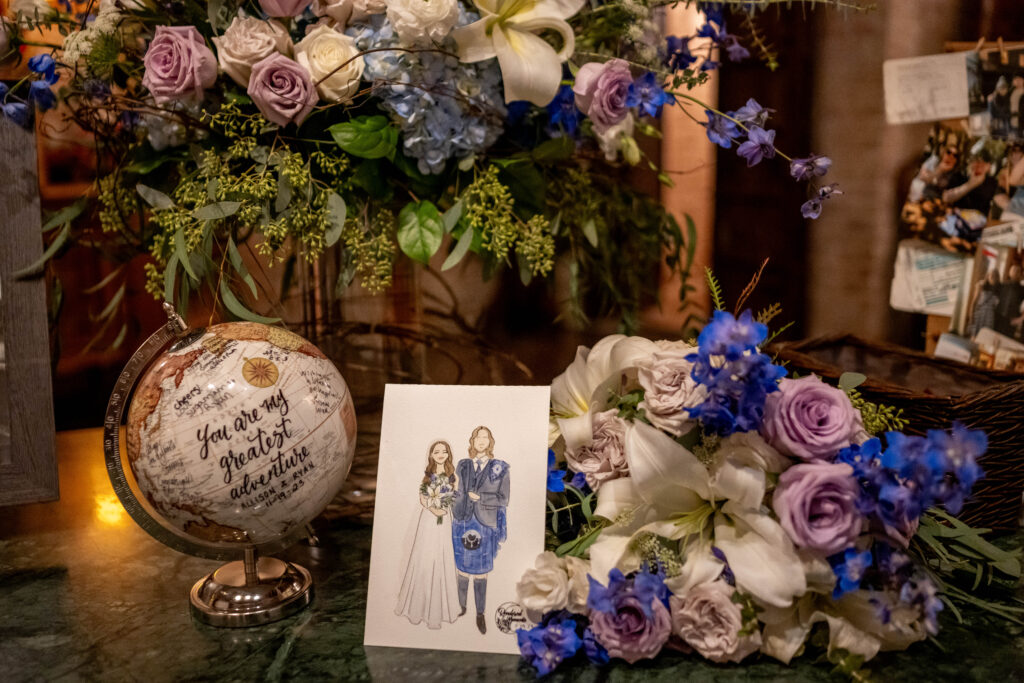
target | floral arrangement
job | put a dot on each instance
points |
(711, 504)
(388, 129)
(438, 493)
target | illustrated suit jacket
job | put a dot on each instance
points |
(491, 484)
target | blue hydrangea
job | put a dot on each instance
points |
(446, 109)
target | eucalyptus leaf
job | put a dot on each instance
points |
(183, 256)
(590, 232)
(155, 198)
(239, 265)
(111, 306)
(216, 211)
(215, 12)
(452, 215)
(169, 272)
(466, 163)
(461, 247)
(851, 380)
(420, 230)
(65, 215)
(240, 311)
(36, 267)
(336, 214)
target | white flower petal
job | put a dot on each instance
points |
(578, 431)
(473, 42)
(760, 555)
(607, 553)
(537, 23)
(618, 497)
(784, 633)
(700, 567)
(667, 476)
(744, 485)
(552, 9)
(530, 68)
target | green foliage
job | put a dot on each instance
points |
(715, 289)
(370, 252)
(420, 230)
(877, 418)
(369, 137)
(628, 405)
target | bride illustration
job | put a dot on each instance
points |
(429, 590)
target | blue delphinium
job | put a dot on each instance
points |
(549, 644)
(678, 56)
(735, 51)
(563, 114)
(752, 113)
(594, 650)
(556, 477)
(645, 585)
(760, 144)
(812, 207)
(957, 453)
(809, 167)
(849, 567)
(17, 112)
(44, 66)
(648, 96)
(40, 93)
(709, 65)
(579, 482)
(721, 130)
(920, 592)
(735, 374)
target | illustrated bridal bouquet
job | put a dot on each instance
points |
(719, 507)
(438, 493)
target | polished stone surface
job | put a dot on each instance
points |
(87, 595)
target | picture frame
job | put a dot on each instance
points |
(28, 461)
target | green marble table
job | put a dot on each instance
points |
(87, 595)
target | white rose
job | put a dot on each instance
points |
(709, 621)
(604, 457)
(246, 41)
(579, 586)
(322, 52)
(338, 10)
(545, 587)
(669, 390)
(741, 466)
(419, 22)
(363, 9)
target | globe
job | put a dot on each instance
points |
(240, 434)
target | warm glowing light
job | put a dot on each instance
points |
(109, 509)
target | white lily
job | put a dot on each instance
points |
(530, 68)
(672, 494)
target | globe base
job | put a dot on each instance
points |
(251, 592)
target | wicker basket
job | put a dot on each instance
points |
(932, 393)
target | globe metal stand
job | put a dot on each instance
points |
(256, 590)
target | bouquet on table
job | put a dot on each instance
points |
(717, 506)
(438, 493)
(386, 129)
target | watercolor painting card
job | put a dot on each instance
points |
(459, 515)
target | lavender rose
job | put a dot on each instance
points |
(810, 420)
(709, 621)
(817, 506)
(246, 41)
(601, 91)
(605, 457)
(669, 389)
(179, 65)
(282, 90)
(628, 631)
(284, 8)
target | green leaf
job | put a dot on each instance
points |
(452, 216)
(466, 163)
(105, 281)
(36, 268)
(369, 137)
(336, 213)
(461, 247)
(169, 272)
(239, 265)
(555, 149)
(590, 232)
(851, 380)
(420, 229)
(65, 215)
(666, 180)
(216, 211)
(155, 198)
(240, 311)
(260, 154)
(215, 12)
(284, 193)
(182, 254)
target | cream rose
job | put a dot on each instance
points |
(669, 389)
(363, 9)
(339, 11)
(246, 41)
(604, 458)
(322, 52)
(420, 22)
(709, 621)
(545, 587)
(579, 586)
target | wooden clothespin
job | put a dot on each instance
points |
(1004, 57)
(980, 44)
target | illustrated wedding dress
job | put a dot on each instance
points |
(429, 591)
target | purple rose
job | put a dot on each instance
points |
(284, 8)
(810, 420)
(708, 620)
(628, 630)
(282, 90)
(604, 457)
(179, 65)
(602, 90)
(817, 506)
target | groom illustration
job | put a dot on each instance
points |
(478, 524)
